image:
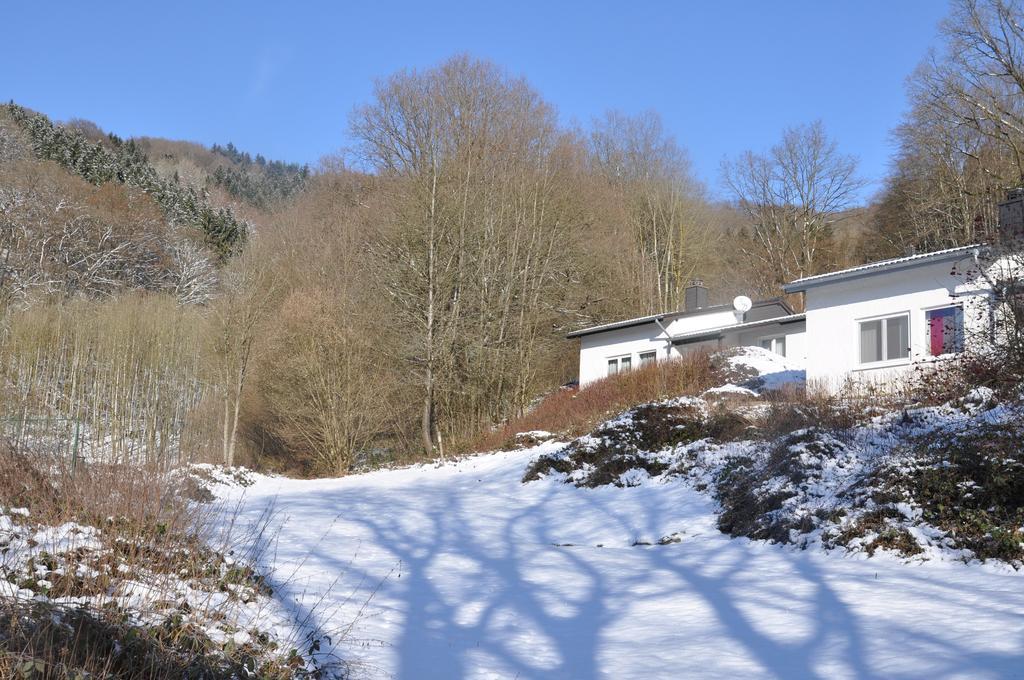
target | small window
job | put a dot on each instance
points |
(648, 358)
(945, 330)
(777, 345)
(618, 365)
(885, 339)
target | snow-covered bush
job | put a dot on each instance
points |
(635, 441)
(849, 472)
(108, 570)
(968, 483)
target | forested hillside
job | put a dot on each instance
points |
(402, 298)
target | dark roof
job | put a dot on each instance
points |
(878, 267)
(641, 320)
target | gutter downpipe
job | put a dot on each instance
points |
(668, 337)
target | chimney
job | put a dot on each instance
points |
(1011, 215)
(696, 295)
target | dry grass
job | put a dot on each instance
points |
(795, 408)
(154, 547)
(117, 380)
(576, 411)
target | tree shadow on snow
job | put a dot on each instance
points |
(480, 589)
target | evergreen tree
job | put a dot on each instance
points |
(125, 163)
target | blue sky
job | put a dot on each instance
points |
(280, 78)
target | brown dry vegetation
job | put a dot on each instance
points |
(149, 533)
(572, 411)
(413, 296)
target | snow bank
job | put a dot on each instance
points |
(755, 370)
(862, 489)
(460, 570)
(73, 566)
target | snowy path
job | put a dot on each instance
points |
(478, 588)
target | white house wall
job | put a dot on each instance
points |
(795, 334)
(596, 349)
(834, 311)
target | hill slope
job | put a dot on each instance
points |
(464, 570)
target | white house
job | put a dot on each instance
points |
(876, 322)
(620, 346)
(868, 324)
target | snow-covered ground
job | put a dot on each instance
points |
(42, 564)
(463, 571)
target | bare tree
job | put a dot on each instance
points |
(665, 208)
(793, 197)
(469, 161)
(979, 79)
(236, 317)
(961, 145)
(324, 379)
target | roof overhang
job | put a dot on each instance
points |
(639, 321)
(721, 331)
(656, 318)
(885, 266)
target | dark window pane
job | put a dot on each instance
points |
(897, 337)
(870, 341)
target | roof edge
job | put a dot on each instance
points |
(879, 267)
(641, 320)
(722, 330)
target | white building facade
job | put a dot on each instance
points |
(621, 346)
(878, 322)
(872, 324)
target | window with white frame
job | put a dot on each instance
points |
(777, 345)
(648, 358)
(619, 364)
(885, 339)
(945, 330)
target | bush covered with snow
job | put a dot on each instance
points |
(968, 483)
(636, 440)
(111, 571)
(815, 470)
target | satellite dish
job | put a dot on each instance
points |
(742, 304)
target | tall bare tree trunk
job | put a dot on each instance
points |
(427, 425)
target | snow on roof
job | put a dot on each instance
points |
(877, 267)
(667, 315)
(791, 318)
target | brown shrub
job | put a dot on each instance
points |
(949, 380)
(55, 490)
(147, 532)
(575, 411)
(791, 408)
